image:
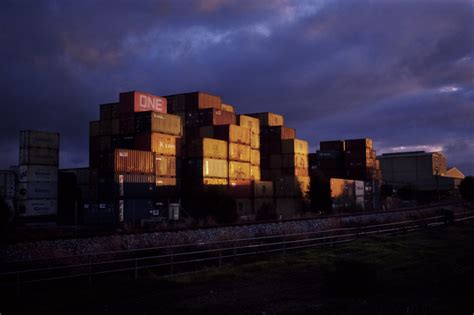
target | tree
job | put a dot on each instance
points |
(466, 188)
(320, 193)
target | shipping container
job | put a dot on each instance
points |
(37, 190)
(232, 133)
(249, 122)
(165, 165)
(157, 122)
(239, 170)
(255, 157)
(134, 185)
(166, 182)
(239, 152)
(208, 148)
(137, 211)
(276, 133)
(159, 143)
(39, 139)
(255, 172)
(355, 144)
(275, 161)
(109, 111)
(268, 119)
(214, 181)
(294, 161)
(94, 128)
(228, 108)
(82, 174)
(176, 103)
(262, 189)
(292, 186)
(208, 168)
(127, 123)
(37, 173)
(141, 102)
(105, 143)
(134, 161)
(269, 146)
(94, 151)
(125, 142)
(240, 188)
(293, 171)
(270, 174)
(209, 117)
(254, 141)
(99, 214)
(337, 145)
(7, 184)
(244, 206)
(294, 146)
(40, 207)
(194, 100)
(39, 156)
(260, 204)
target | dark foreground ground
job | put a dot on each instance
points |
(428, 272)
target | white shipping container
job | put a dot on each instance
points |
(39, 139)
(7, 184)
(37, 173)
(39, 156)
(359, 188)
(38, 207)
(37, 190)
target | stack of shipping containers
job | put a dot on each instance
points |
(37, 188)
(134, 160)
(284, 161)
(8, 188)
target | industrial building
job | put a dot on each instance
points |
(424, 171)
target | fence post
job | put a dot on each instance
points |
(172, 260)
(136, 268)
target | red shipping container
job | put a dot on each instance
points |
(141, 102)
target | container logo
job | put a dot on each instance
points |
(150, 103)
(123, 154)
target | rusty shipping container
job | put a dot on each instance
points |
(159, 143)
(39, 139)
(294, 161)
(134, 161)
(239, 152)
(228, 108)
(249, 122)
(165, 165)
(194, 100)
(94, 128)
(269, 119)
(109, 111)
(240, 188)
(294, 146)
(292, 186)
(209, 117)
(254, 141)
(232, 133)
(207, 167)
(208, 148)
(262, 189)
(239, 170)
(158, 122)
(276, 133)
(166, 182)
(255, 172)
(39, 156)
(255, 157)
(141, 102)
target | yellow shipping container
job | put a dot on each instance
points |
(228, 108)
(251, 123)
(254, 141)
(294, 146)
(209, 168)
(294, 161)
(232, 133)
(208, 148)
(255, 172)
(269, 119)
(255, 157)
(239, 170)
(239, 152)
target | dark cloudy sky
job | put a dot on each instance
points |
(400, 72)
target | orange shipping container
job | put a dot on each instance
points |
(294, 160)
(228, 108)
(141, 102)
(255, 141)
(208, 168)
(255, 172)
(208, 148)
(134, 161)
(159, 143)
(294, 146)
(165, 165)
(158, 122)
(251, 123)
(232, 133)
(239, 170)
(255, 157)
(269, 119)
(239, 152)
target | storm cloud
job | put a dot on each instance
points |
(400, 72)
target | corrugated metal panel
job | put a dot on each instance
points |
(176, 103)
(141, 102)
(294, 146)
(134, 185)
(208, 148)
(268, 119)
(262, 189)
(228, 108)
(251, 123)
(39, 156)
(208, 168)
(158, 122)
(255, 172)
(291, 186)
(94, 128)
(37, 173)
(27, 208)
(134, 161)
(232, 133)
(105, 128)
(239, 152)
(39, 139)
(159, 143)
(255, 141)
(239, 170)
(255, 157)
(165, 165)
